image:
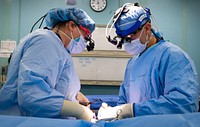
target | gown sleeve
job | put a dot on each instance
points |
(122, 96)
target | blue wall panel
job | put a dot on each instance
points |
(178, 19)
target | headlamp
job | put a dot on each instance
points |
(88, 38)
(121, 34)
(90, 44)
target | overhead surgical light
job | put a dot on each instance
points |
(70, 2)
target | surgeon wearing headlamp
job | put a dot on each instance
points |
(41, 79)
(160, 78)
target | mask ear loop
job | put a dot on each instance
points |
(79, 31)
(64, 33)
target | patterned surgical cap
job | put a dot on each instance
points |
(76, 15)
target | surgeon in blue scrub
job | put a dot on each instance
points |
(41, 79)
(160, 78)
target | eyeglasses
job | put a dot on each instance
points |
(88, 38)
(86, 31)
(136, 31)
(128, 38)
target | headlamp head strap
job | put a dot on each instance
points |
(143, 18)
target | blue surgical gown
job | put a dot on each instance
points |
(163, 80)
(40, 76)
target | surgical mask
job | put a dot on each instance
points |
(76, 45)
(136, 47)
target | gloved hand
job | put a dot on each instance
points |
(119, 112)
(73, 109)
(82, 99)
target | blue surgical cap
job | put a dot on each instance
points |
(131, 20)
(78, 16)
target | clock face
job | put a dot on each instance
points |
(98, 5)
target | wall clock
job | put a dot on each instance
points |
(98, 5)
